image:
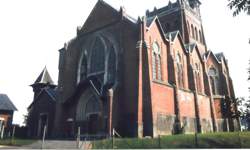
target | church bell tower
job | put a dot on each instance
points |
(184, 16)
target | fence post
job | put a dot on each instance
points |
(78, 137)
(13, 134)
(2, 132)
(44, 134)
(113, 133)
(239, 139)
(196, 139)
(159, 141)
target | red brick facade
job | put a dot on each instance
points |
(165, 82)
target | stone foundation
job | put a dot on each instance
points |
(206, 125)
(222, 125)
(188, 125)
(164, 124)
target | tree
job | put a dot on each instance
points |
(239, 5)
(246, 112)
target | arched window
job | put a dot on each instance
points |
(179, 71)
(83, 66)
(196, 34)
(97, 63)
(92, 106)
(156, 61)
(192, 35)
(214, 80)
(197, 74)
(111, 66)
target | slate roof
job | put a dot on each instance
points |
(163, 9)
(190, 47)
(208, 53)
(171, 35)
(149, 21)
(219, 56)
(6, 104)
(44, 77)
(52, 93)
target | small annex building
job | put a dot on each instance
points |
(7, 109)
(41, 111)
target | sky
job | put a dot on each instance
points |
(32, 32)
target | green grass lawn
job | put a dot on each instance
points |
(16, 142)
(210, 140)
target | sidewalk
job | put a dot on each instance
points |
(9, 147)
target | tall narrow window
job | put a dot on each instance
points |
(214, 80)
(200, 37)
(156, 61)
(196, 34)
(179, 71)
(192, 28)
(188, 27)
(83, 69)
(158, 67)
(197, 74)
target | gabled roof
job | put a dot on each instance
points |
(190, 47)
(109, 14)
(52, 93)
(5, 103)
(210, 53)
(44, 78)
(193, 46)
(172, 36)
(151, 20)
(220, 56)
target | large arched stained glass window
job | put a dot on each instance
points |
(111, 66)
(97, 63)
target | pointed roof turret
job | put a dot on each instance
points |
(44, 78)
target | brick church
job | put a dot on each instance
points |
(142, 77)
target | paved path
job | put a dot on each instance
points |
(51, 144)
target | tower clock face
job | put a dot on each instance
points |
(156, 48)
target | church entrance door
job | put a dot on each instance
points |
(93, 123)
(43, 120)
